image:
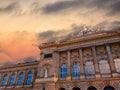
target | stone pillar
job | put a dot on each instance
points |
(69, 65)
(56, 66)
(2, 75)
(25, 76)
(111, 61)
(33, 76)
(8, 80)
(96, 65)
(16, 78)
(82, 71)
(39, 66)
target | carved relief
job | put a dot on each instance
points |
(63, 56)
(115, 49)
(87, 52)
(74, 54)
(101, 52)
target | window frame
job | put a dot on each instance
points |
(89, 70)
(64, 71)
(12, 79)
(20, 78)
(4, 80)
(75, 69)
(29, 78)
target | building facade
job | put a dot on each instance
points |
(81, 62)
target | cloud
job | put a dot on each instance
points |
(107, 25)
(51, 35)
(108, 6)
(15, 7)
(8, 63)
(10, 48)
(54, 35)
(9, 8)
(28, 59)
(6, 53)
(61, 5)
(24, 60)
(114, 9)
(114, 25)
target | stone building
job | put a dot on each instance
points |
(19, 76)
(80, 62)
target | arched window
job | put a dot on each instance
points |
(91, 88)
(89, 70)
(76, 88)
(4, 80)
(29, 78)
(64, 70)
(109, 88)
(12, 79)
(62, 89)
(104, 68)
(117, 64)
(20, 78)
(75, 69)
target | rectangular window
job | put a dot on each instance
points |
(48, 56)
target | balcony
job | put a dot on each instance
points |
(48, 79)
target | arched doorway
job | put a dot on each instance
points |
(62, 89)
(91, 88)
(109, 88)
(76, 88)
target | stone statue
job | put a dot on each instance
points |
(45, 73)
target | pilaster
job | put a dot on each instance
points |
(69, 65)
(16, 78)
(111, 62)
(96, 66)
(56, 66)
(82, 71)
(8, 79)
(25, 76)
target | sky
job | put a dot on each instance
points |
(26, 23)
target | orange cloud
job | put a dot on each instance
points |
(19, 45)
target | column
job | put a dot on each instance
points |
(2, 75)
(56, 66)
(96, 66)
(82, 71)
(69, 65)
(39, 66)
(9, 76)
(16, 78)
(33, 76)
(111, 61)
(25, 76)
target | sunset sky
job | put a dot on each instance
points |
(26, 23)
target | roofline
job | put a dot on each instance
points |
(19, 65)
(100, 34)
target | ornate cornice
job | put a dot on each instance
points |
(80, 39)
(88, 44)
